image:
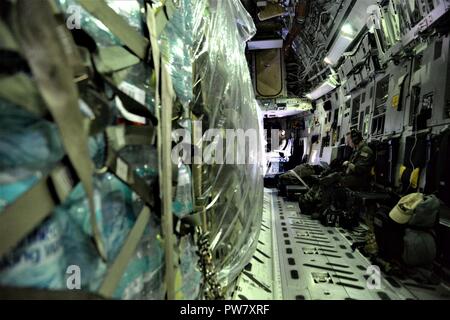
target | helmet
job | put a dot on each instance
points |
(356, 136)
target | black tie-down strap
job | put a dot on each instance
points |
(131, 105)
(100, 109)
(118, 137)
(26, 213)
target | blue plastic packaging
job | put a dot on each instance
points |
(183, 203)
(143, 278)
(29, 148)
(38, 261)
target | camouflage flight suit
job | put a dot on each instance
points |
(356, 176)
(360, 167)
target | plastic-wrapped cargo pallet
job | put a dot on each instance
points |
(82, 148)
(232, 195)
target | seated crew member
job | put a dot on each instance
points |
(358, 168)
(355, 174)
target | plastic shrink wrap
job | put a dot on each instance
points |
(203, 46)
(130, 75)
(231, 193)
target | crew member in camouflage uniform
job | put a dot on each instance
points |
(356, 175)
(359, 167)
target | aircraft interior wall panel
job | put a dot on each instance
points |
(345, 125)
(346, 117)
(336, 111)
(430, 79)
(364, 111)
(397, 98)
(326, 154)
(400, 158)
(437, 80)
(355, 107)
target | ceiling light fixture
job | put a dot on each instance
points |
(326, 87)
(347, 30)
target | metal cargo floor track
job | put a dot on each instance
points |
(298, 258)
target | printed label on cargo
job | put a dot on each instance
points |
(122, 169)
(133, 91)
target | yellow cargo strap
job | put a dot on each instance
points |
(54, 76)
(112, 59)
(115, 272)
(7, 40)
(118, 137)
(20, 90)
(28, 211)
(299, 179)
(164, 103)
(137, 43)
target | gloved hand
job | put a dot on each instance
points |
(350, 168)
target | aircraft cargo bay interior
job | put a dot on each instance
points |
(224, 150)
